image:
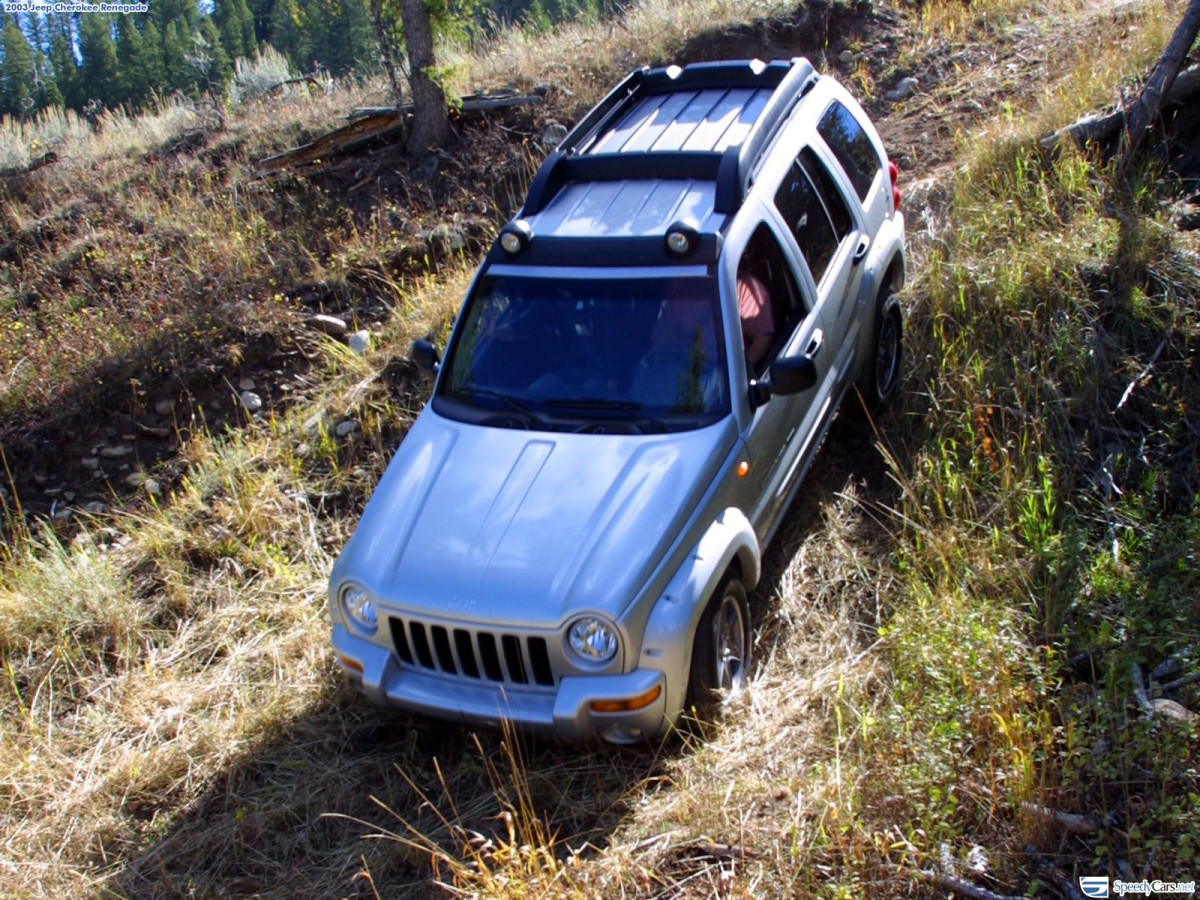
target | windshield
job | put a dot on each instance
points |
(611, 354)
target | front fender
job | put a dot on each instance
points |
(671, 628)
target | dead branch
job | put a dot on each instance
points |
(1101, 129)
(1072, 822)
(44, 160)
(958, 886)
(472, 103)
(1149, 103)
(1065, 886)
(1179, 682)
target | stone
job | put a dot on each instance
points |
(165, 407)
(553, 135)
(152, 486)
(251, 402)
(904, 89)
(69, 496)
(316, 423)
(346, 428)
(40, 478)
(52, 492)
(846, 57)
(95, 508)
(246, 384)
(360, 342)
(135, 479)
(330, 325)
(115, 451)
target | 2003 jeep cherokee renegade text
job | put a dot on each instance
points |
(642, 371)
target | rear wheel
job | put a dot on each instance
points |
(721, 651)
(881, 375)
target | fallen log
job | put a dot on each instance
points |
(371, 123)
(1102, 129)
(44, 160)
(472, 103)
(1149, 103)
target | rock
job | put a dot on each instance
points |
(330, 325)
(69, 496)
(160, 433)
(846, 57)
(904, 89)
(135, 479)
(246, 384)
(553, 135)
(60, 515)
(116, 451)
(52, 492)
(316, 423)
(40, 478)
(360, 342)
(445, 236)
(152, 486)
(426, 168)
(345, 428)
(165, 407)
(95, 508)
(98, 474)
(251, 402)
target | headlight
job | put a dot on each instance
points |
(359, 609)
(593, 639)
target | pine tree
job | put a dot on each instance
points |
(176, 47)
(154, 69)
(228, 20)
(286, 32)
(62, 62)
(17, 87)
(209, 59)
(132, 86)
(249, 48)
(98, 71)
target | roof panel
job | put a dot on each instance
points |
(719, 118)
(625, 208)
(614, 140)
(692, 116)
(740, 127)
(655, 124)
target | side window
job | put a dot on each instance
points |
(769, 305)
(814, 210)
(851, 145)
(835, 203)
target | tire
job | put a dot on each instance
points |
(880, 376)
(721, 652)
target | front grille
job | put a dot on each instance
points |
(474, 654)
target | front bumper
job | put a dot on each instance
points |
(563, 712)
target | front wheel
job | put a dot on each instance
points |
(881, 375)
(721, 651)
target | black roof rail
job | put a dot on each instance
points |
(788, 79)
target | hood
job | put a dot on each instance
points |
(515, 527)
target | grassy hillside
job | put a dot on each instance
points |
(970, 630)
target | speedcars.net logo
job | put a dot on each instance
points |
(1098, 886)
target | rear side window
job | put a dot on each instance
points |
(851, 145)
(814, 210)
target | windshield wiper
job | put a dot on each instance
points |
(527, 410)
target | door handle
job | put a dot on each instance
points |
(860, 252)
(814, 345)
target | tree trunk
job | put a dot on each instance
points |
(1148, 105)
(431, 120)
(386, 49)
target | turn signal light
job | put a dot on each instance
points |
(894, 172)
(631, 705)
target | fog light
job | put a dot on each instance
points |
(359, 609)
(641, 701)
(515, 236)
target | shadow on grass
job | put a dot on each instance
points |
(294, 816)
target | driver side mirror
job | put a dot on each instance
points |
(787, 375)
(425, 355)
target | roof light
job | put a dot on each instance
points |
(515, 236)
(682, 238)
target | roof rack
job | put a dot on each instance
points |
(788, 81)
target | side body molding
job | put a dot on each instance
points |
(679, 607)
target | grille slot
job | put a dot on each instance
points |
(477, 655)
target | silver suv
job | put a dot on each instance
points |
(643, 369)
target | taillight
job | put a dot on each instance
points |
(894, 172)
